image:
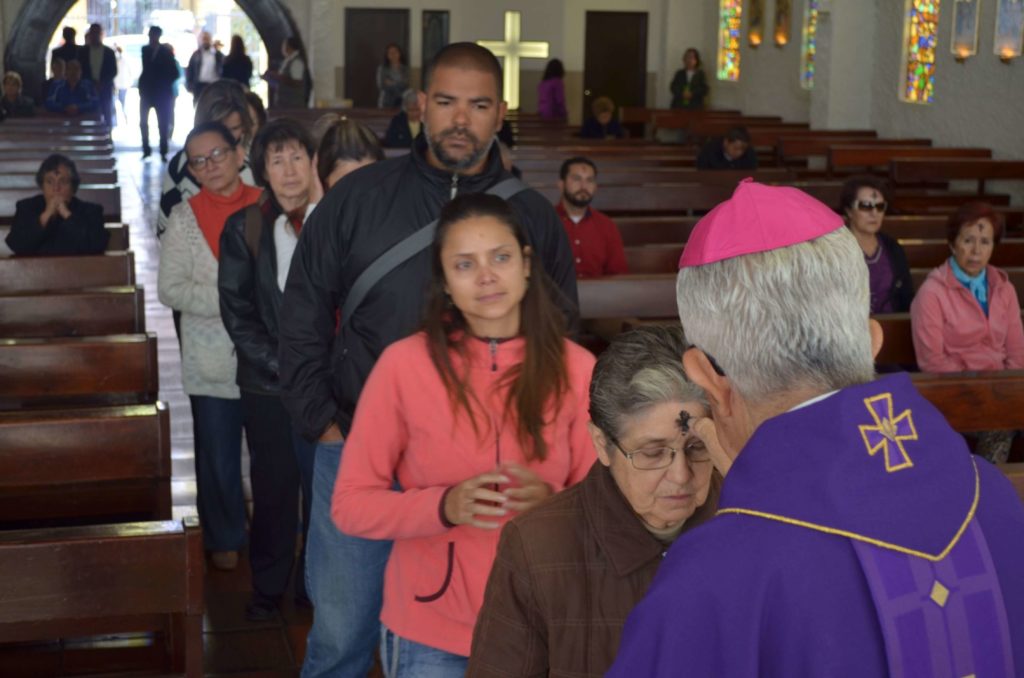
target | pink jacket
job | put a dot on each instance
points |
(951, 332)
(551, 99)
(404, 428)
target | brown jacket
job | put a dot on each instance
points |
(566, 576)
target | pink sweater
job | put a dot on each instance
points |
(404, 428)
(951, 332)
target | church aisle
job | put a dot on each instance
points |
(232, 645)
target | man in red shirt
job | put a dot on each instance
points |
(595, 240)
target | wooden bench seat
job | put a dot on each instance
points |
(792, 148)
(916, 170)
(27, 181)
(12, 165)
(118, 239)
(84, 466)
(110, 370)
(862, 156)
(41, 274)
(73, 313)
(617, 175)
(70, 582)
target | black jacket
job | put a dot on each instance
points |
(82, 233)
(159, 71)
(250, 299)
(399, 135)
(195, 63)
(108, 67)
(238, 68)
(712, 157)
(366, 213)
(698, 89)
(902, 291)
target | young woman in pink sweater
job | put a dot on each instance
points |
(477, 418)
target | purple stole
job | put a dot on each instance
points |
(941, 619)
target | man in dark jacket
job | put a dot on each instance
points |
(156, 90)
(322, 374)
(731, 152)
(204, 67)
(99, 66)
(255, 253)
(68, 50)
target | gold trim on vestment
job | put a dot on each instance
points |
(869, 540)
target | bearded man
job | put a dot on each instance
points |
(593, 236)
(344, 262)
(856, 535)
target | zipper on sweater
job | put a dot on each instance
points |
(493, 346)
(455, 186)
(494, 355)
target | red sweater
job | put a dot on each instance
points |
(596, 244)
(404, 428)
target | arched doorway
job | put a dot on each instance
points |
(26, 50)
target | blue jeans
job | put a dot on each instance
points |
(218, 450)
(345, 581)
(404, 658)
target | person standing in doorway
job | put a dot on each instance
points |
(289, 81)
(99, 65)
(205, 66)
(392, 77)
(237, 64)
(156, 90)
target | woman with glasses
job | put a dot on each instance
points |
(187, 283)
(863, 202)
(967, 315)
(477, 418)
(568, 573)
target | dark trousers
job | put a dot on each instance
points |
(278, 471)
(221, 503)
(164, 105)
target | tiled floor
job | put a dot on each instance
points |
(232, 645)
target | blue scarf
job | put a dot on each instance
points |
(976, 285)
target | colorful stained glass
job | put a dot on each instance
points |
(810, 43)
(729, 14)
(920, 37)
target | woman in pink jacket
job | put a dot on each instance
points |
(966, 316)
(551, 92)
(477, 418)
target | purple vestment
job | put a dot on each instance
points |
(774, 585)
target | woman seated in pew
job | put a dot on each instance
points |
(863, 202)
(407, 123)
(602, 124)
(568, 573)
(967, 316)
(14, 104)
(187, 282)
(55, 222)
(345, 146)
(478, 418)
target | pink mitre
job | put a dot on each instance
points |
(757, 218)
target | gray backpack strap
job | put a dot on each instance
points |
(407, 248)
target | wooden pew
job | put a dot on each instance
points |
(628, 296)
(917, 170)
(85, 466)
(618, 175)
(27, 181)
(71, 582)
(976, 401)
(40, 274)
(931, 253)
(117, 238)
(73, 313)
(792, 148)
(13, 165)
(118, 369)
(842, 158)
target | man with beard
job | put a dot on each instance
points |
(593, 236)
(334, 324)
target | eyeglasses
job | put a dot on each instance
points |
(662, 457)
(216, 157)
(865, 206)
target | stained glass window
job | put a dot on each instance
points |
(810, 41)
(920, 37)
(729, 39)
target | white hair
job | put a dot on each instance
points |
(784, 319)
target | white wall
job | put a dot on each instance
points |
(977, 103)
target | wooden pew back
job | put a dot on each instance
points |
(41, 274)
(73, 313)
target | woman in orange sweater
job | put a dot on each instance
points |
(478, 417)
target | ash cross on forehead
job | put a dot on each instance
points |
(510, 51)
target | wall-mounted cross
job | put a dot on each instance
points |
(511, 50)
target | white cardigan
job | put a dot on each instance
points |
(188, 283)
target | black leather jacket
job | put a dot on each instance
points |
(359, 219)
(250, 300)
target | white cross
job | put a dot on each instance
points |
(511, 51)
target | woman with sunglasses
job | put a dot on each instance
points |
(863, 202)
(568, 573)
(188, 283)
(477, 419)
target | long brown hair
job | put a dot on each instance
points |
(542, 378)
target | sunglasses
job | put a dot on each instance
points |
(865, 206)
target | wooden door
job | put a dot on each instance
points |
(615, 58)
(367, 33)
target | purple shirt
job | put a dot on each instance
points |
(881, 279)
(774, 585)
(551, 99)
